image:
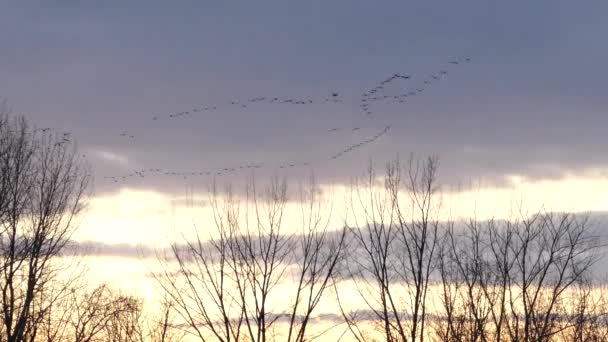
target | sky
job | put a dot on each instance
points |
(524, 107)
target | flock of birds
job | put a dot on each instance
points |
(246, 103)
(360, 144)
(367, 101)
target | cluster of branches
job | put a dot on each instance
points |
(43, 295)
(523, 279)
(82, 314)
(526, 279)
(396, 234)
(231, 287)
(42, 189)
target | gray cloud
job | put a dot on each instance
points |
(95, 248)
(531, 101)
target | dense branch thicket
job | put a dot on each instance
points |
(256, 272)
(526, 279)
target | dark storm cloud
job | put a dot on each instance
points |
(531, 101)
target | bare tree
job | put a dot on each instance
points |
(101, 314)
(161, 327)
(554, 252)
(225, 287)
(525, 279)
(396, 243)
(78, 312)
(52, 309)
(316, 261)
(588, 320)
(475, 268)
(43, 187)
(126, 321)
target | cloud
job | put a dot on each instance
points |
(532, 96)
(112, 157)
(95, 248)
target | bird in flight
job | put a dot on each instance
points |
(124, 134)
